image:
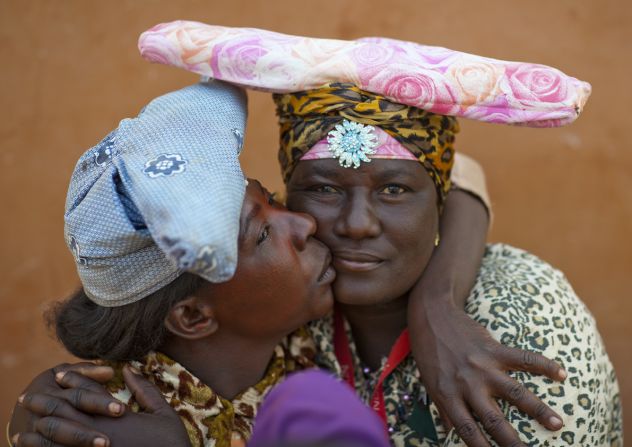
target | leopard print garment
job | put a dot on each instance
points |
(527, 304)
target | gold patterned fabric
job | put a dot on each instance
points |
(211, 420)
(307, 117)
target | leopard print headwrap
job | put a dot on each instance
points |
(307, 117)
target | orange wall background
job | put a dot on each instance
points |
(71, 70)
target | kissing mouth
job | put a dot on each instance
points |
(327, 274)
(353, 261)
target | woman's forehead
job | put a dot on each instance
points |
(376, 170)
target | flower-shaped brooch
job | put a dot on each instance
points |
(351, 142)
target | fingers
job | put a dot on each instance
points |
(74, 379)
(32, 440)
(93, 403)
(52, 431)
(99, 373)
(146, 393)
(465, 425)
(494, 422)
(70, 433)
(71, 404)
(523, 399)
(532, 362)
(43, 405)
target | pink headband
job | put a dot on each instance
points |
(387, 147)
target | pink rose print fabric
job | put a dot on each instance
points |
(436, 79)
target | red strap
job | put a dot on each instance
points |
(398, 353)
(343, 350)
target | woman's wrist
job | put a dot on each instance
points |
(424, 312)
(433, 291)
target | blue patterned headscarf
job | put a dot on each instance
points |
(160, 195)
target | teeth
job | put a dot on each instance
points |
(326, 274)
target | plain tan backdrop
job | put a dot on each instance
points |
(71, 71)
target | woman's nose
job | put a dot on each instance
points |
(302, 227)
(358, 219)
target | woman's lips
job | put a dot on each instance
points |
(356, 261)
(328, 274)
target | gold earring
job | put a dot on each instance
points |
(437, 239)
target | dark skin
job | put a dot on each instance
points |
(473, 364)
(211, 323)
(280, 298)
(438, 296)
(53, 418)
(380, 223)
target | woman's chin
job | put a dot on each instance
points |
(324, 305)
(361, 292)
(356, 299)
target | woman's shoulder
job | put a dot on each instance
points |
(515, 261)
(528, 303)
(515, 270)
(505, 252)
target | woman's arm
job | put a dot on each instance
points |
(466, 217)
(90, 396)
(452, 270)
(461, 365)
(64, 407)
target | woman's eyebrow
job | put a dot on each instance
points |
(393, 174)
(325, 171)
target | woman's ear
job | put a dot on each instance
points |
(192, 318)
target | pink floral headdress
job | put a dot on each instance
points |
(436, 79)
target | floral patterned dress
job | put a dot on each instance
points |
(211, 420)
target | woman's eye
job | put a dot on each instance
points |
(272, 199)
(392, 189)
(265, 233)
(325, 188)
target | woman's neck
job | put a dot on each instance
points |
(375, 328)
(227, 364)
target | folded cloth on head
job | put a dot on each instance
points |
(160, 195)
(308, 116)
(435, 79)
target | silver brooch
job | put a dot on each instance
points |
(351, 142)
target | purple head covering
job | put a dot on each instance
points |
(312, 408)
